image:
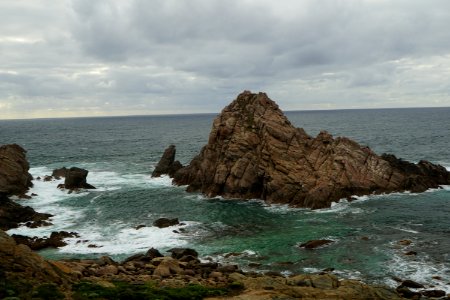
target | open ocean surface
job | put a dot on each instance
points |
(121, 152)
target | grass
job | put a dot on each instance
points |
(123, 290)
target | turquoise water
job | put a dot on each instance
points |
(121, 152)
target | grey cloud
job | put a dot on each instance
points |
(186, 56)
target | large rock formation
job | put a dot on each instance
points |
(255, 152)
(14, 176)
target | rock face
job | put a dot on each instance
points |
(167, 163)
(254, 151)
(76, 179)
(14, 176)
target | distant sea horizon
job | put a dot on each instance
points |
(213, 113)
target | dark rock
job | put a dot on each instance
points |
(153, 253)
(228, 269)
(405, 242)
(58, 173)
(165, 222)
(12, 214)
(167, 163)
(254, 151)
(14, 176)
(410, 253)
(93, 246)
(54, 241)
(36, 224)
(105, 260)
(434, 293)
(139, 227)
(48, 178)
(148, 256)
(407, 293)
(178, 253)
(315, 243)
(76, 179)
(412, 284)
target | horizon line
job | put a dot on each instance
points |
(212, 113)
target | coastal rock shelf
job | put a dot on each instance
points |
(254, 151)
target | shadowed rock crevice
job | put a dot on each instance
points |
(253, 151)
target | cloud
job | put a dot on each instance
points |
(162, 56)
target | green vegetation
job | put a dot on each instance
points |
(123, 290)
(47, 291)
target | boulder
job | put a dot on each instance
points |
(253, 151)
(315, 244)
(76, 179)
(165, 222)
(179, 253)
(12, 214)
(14, 176)
(167, 163)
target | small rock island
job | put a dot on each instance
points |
(254, 152)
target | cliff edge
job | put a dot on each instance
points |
(254, 151)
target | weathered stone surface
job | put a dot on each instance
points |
(254, 151)
(76, 179)
(14, 176)
(167, 163)
(12, 214)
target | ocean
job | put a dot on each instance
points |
(121, 152)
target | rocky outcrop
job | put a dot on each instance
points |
(55, 240)
(12, 214)
(14, 176)
(254, 151)
(24, 274)
(167, 163)
(76, 179)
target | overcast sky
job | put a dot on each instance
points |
(85, 57)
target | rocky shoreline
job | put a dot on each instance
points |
(25, 274)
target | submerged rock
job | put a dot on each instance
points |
(254, 151)
(315, 244)
(14, 176)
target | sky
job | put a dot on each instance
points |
(136, 57)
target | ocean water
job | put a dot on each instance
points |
(121, 152)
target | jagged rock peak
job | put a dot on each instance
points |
(253, 151)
